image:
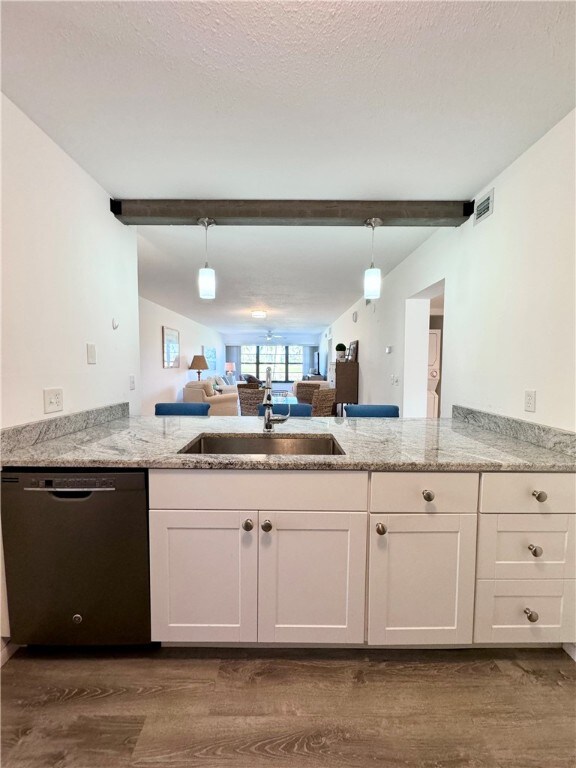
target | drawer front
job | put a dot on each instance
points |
(501, 611)
(452, 492)
(514, 493)
(526, 547)
(250, 489)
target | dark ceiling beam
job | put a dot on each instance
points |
(295, 213)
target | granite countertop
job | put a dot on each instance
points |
(369, 444)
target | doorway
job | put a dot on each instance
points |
(423, 331)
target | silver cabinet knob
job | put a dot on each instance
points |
(428, 495)
(266, 526)
(536, 551)
(381, 529)
(540, 495)
(248, 525)
(531, 615)
(77, 619)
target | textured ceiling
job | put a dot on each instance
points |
(265, 99)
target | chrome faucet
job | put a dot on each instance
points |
(269, 419)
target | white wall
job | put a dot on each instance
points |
(164, 385)
(509, 297)
(68, 268)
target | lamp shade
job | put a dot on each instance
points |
(372, 281)
(207, 283)
(198, 363)
(230, 367)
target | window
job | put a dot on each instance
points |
(286, 361)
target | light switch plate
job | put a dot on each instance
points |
(91, 354)
(132, 381)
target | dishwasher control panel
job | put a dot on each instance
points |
(75, 482)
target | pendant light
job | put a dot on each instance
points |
(372, 276)
(206, 275)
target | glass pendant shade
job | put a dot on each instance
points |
(372, 276)
(207, 283)
(372, 282)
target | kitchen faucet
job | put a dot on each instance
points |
(269, 419)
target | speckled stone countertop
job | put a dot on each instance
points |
(368, 444)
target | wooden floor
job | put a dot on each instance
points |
(296, 709)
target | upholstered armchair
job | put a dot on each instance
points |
(203, 392)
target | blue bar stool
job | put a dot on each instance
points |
(181, 409)
(375, 411)
(282, 409)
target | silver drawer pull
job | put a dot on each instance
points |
(531, 615)
(381, 529)
(536, 551)
(428, 495)
(540, 495)
(247, 525)
(266, 526)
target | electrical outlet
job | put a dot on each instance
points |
(53, 400)
(530, 400)
(132, 381)
(91, 354)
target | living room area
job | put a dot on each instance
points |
(185, 361)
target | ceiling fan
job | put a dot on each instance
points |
(269, 336)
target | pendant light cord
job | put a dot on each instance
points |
(372, 260)
(206, 222)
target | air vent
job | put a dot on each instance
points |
(484, 207)
(9, 479)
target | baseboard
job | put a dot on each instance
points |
(570, 649)
(7, 650)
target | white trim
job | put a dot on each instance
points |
(7, 650)
(570, 649)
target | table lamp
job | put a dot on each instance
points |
(198, 364)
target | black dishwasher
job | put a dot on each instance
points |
(76, 556)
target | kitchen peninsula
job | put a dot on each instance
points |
(421, 532)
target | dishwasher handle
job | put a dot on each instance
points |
(69, 490)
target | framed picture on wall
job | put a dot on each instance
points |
(170, 347)
(210, 355)
(352, 354)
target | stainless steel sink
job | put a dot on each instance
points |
(298, 445)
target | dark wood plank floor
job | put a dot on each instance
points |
(180, 708)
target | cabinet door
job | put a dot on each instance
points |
(203, 572)
(312, 573)
(421, 579)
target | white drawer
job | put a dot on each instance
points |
(526, 547)
(500, 614)
(250, 489)
(513, 492)
(453, 492)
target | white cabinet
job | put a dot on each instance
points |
(203, 574)
(301, 581)
(525, 611)
(294, 577)
(429, 492)
(421, 578)
(312, 571)
(526, 559)
(530, 546)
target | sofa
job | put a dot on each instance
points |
(225, 404)
(223, 385)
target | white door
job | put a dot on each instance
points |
(203, 574)
(421, 579)
(312, 570)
